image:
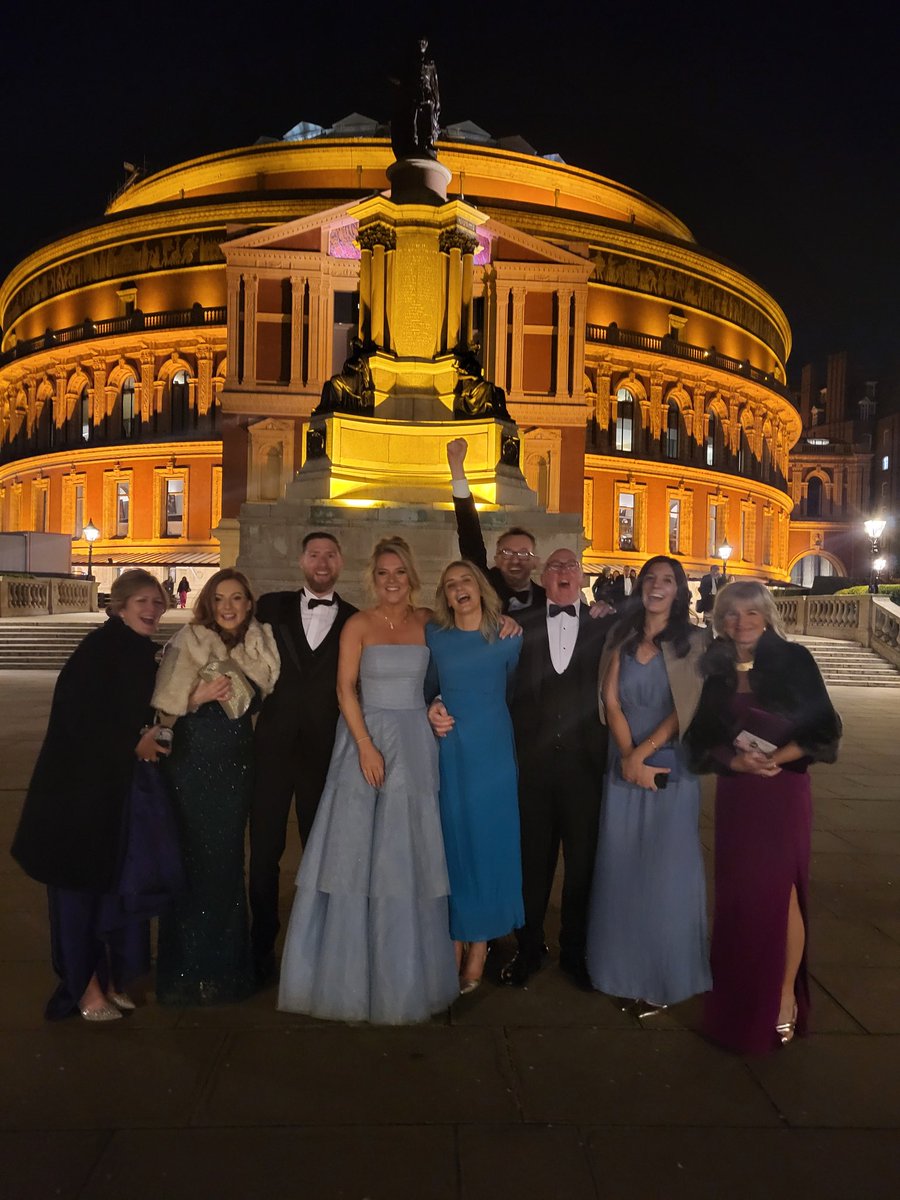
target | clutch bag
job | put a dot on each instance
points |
(765, 731)
(241, 689)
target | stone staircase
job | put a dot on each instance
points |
(847, 664)
(45, 645)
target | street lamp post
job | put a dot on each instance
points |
(874, 527)
(725, 554)
(91, 533)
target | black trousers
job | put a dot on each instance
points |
(559, 805)
(283, 774)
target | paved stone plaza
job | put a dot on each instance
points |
(542, 1094)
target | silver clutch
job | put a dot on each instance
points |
(241, 688)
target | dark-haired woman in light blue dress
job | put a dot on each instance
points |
(647, 939)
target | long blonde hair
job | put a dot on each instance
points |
(394, 545)
(491, 606)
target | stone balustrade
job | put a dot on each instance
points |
(861, 619)
(40, 597)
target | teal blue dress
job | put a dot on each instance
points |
(478, 783)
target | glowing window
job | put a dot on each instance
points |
(624, 420)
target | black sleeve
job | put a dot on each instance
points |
(708, 740)
(468, 531)
(819, 730)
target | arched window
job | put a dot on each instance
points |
(766, 460)
(814, 497)
(129, 418)
(624, 420)
(180, 400)
(745, 454)
(84, 414)
(672, 434)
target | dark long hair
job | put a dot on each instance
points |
(628, 632)
(205, 608)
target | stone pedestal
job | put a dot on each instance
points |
(271, 535)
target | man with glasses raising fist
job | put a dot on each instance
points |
(515, 557)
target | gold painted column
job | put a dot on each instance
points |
(365, 294)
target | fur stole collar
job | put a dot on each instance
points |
(195, 645)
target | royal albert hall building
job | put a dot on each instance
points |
(151, 379)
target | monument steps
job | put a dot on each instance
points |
(850, 665)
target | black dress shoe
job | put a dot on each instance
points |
(265, 970)
(521, 967)
(576, 968)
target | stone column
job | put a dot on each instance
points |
(454, 296)
(232, 336)
(501, 334)
(365, 294)
(468, 267)
(579, 320)
(251, 289)
(518, 339)
(563, 304)
(147, 392)
(321, 303)
(298, 291)
(204, 380)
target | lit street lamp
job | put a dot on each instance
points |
(725, 554)
(91, 533)
(874, 527)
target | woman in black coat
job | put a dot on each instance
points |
(73, 830)
(764, 716)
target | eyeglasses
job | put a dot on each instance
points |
(556, 565)
(520, 554)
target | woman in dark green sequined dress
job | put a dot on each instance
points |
(204, 948)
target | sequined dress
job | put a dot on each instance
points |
(369, 936)
(204, 943)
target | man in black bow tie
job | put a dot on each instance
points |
(296, 727)
(561, 748)
(515, 557)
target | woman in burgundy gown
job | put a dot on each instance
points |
(764, 716)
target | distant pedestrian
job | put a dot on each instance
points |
(183, 588)
(169, 589)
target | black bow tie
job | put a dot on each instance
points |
(523, 597)
(556, 609)
(313, 603)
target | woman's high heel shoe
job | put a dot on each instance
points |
(107, 1012)
(121, 1001)
(785, 1030)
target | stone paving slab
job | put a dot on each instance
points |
(57, 1164)
(525, 1162)
(357, 1076)
(870, 994)
(596, 1076)
(403, 1163)
(744, 1164)
(71, 1075)
(841, 1083)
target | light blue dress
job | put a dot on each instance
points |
(647, 915)
(368, 938)
(479, 783)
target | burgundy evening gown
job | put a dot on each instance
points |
(763, 830)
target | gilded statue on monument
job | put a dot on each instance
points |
(417, 115)
(352, 390)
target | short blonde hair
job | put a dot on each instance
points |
(747, 591)
(394, 545)
(128, 584)
(491, 606)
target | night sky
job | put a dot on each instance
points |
(771, 130)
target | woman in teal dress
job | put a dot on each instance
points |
(471, 667)
(204, 948)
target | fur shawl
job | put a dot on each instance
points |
(785, 681)
(195, 645)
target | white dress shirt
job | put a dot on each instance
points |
(562, 631)
(319, 620)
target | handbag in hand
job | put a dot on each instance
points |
(241, 688)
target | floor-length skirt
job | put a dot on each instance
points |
(763, 830)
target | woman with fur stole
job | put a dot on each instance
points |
(204, 948)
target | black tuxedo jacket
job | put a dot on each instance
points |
(707, 598)
(533, 736)
(472, 547)
(305, 697)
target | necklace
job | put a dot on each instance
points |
(390, 622)
(744, 666)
